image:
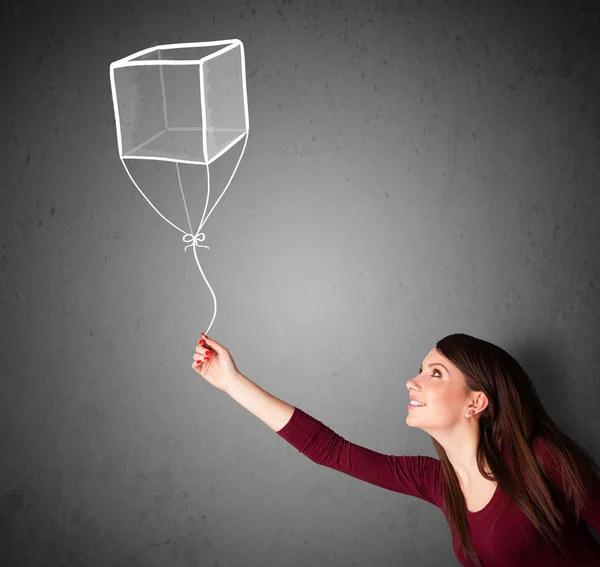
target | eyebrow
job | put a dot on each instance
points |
(436, 364)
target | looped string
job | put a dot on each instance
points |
(195, 240)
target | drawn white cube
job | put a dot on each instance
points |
(184, 103)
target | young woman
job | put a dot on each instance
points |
(515, 490)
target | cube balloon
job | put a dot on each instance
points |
(184, 102)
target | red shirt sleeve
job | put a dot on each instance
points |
(591, 511)
(418, 476)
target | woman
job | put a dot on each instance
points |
(514, 489)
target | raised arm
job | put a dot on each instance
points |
(417, 476)
(271, 410)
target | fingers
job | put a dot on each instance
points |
(203, 356)
(213, 344)
(202, 350)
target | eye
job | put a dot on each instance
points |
(434, 370)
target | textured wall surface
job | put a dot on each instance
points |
(414, 169)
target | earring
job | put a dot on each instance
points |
(470, 413)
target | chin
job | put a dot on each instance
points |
(408, 423)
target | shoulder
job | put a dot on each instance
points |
(422, 474)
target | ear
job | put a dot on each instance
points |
(481, 399)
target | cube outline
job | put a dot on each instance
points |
(129, 61)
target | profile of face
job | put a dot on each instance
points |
(443, 388)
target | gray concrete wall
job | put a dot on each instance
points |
(414, 169)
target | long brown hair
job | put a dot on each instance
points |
(509, 424)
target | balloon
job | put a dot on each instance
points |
(182, 103)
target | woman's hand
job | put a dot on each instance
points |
(214, 363)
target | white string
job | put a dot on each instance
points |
(187, 214)
(198, 234)
(195, 239)
(149, 202)
(226, 186)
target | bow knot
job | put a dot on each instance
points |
(195, 240)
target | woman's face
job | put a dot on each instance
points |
(443, 388)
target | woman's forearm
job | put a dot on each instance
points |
(271, 410)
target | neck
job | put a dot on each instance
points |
(460, 446)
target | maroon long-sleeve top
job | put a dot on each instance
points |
(513, 541)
